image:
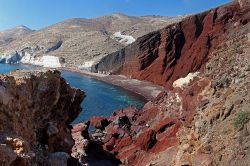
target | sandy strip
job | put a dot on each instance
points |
(145, 89)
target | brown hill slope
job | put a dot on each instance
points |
(80, 40)
(12, 34)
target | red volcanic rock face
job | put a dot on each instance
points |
(180, 48)
(136, 137)
(164, 56)
(99, 122)
(146, 140)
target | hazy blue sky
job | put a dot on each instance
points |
(41, 13)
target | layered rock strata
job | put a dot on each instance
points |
(168, 54)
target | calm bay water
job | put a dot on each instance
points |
(102, 98)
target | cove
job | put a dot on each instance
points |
(102, 98)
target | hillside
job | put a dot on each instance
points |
(164, 56)
(81, 42)
(8, 36)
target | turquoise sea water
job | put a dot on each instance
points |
(102, 98)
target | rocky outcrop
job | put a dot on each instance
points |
(181, 48)
(217, 136)
(137, 137)
(36, 109)
(88, 151)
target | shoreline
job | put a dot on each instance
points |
(145, 89)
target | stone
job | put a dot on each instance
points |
(96, 135)
(18, 145)
(204, 103)
(58, 159)
(36, 121)
(51, 129)
(82, 128)
(99, 122)
(124, 121)
(146, 140)
(221, 83)
(7, 155)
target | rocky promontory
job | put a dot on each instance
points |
(36, 110)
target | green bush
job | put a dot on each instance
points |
(241, 119)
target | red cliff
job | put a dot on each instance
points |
(170, 53)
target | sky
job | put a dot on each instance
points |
(37, 14)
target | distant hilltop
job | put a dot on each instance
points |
(10, 35)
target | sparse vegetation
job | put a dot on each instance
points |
(241, 119)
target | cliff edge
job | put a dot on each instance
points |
(36, 109)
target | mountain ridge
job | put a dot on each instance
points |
(84, 40)
(8, 35)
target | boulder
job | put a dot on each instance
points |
(58, 158)
(99, 122)
(146, 140)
